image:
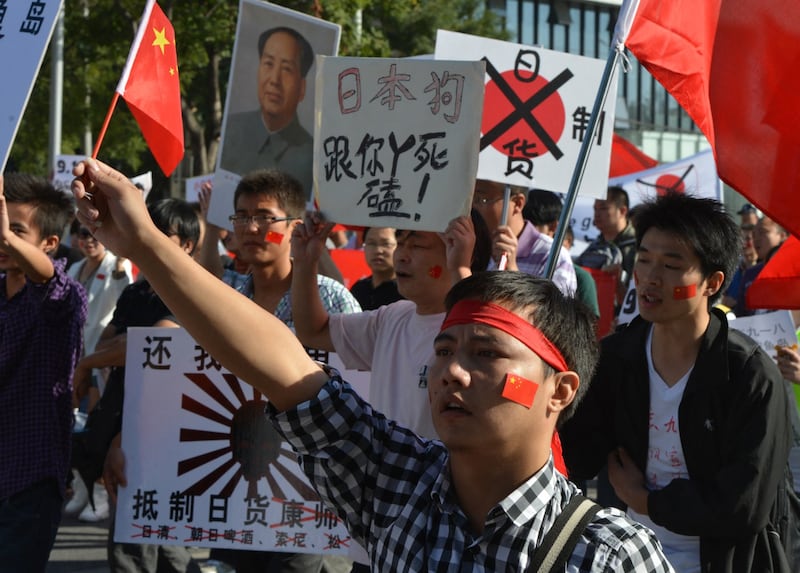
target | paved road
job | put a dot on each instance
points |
(81, 548)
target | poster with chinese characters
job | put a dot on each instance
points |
(268, 120)
(769, 330)
(396, 140)
(204, 465)
(25, 29)
(536, 113)
(62, 176)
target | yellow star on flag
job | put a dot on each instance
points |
(161, 39)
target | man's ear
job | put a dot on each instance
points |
(714, 283)
(50, 243)
(518, 201)
(189, 247)
(564, 391)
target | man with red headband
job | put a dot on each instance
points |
(508, 363)
(690, 415)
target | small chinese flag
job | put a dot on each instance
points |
(273, 237)
(520, 390)
(435, 272)
(684, 292)
(150, 86)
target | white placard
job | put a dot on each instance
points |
(630, 306)
(25, 30)
(535, 114)
(144, 182)
(62, 174)
(695, 175)
(194, 185)
(769, 329)
(396, 140)
(246, 143)
(204, 466)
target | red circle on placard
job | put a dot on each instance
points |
(549, 113)
(670, 182)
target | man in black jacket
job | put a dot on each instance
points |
(691, 417)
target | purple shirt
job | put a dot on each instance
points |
(40, 343)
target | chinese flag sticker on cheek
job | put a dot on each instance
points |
(273, 237)
(684, 292)
(519, 390)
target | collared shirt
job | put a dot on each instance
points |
(40, 344)
(395, 493)
(335, 297)
(533, 250)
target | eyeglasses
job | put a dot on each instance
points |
(259, 220)
(85, 233)
(482, 201)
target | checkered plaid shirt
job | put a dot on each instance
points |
(394, 491)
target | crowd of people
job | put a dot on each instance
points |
(490, 396)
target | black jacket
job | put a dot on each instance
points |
(735, 432)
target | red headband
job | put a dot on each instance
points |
(470, 311)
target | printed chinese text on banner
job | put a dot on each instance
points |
(536, 113)
(25, 29)
(396, 140)
(151, 88)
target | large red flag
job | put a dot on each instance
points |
(732, 65)
(778, 283)
(151, 88)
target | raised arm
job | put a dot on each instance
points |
(208, 255)
(229, 326)
(310, 316)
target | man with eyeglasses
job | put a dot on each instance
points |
(268, 205)
(525, 249)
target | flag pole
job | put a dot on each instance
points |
(623, 26)
(106, 121)
(580, 166)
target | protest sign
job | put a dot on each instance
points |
(396, 140)
(194, 185)
(695, 175)
(204, 465)
(62, 176)
(268, 120)
(769, 329)
(25, 29)
(536, 112)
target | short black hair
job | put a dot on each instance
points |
(565, 321)
(173, 216)
(702, 225)
(53, 209)
(284, 188)
(542, 207)
(618, 196)
(306, 51)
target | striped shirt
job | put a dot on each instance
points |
(395, 493)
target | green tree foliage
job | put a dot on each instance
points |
(98, 35)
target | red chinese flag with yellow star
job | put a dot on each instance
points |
(519, 389)
(151, 88)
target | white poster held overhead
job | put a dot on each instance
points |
(268, 120)
(695, 175)
(535, 114)
(204, 465)
(194, 185)
(396, 140)
(25, 29)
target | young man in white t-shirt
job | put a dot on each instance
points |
(691, 417)
(393, 342)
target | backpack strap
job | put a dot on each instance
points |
(560, 541)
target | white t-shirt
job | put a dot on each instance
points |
(666, 462)
(396, 344)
